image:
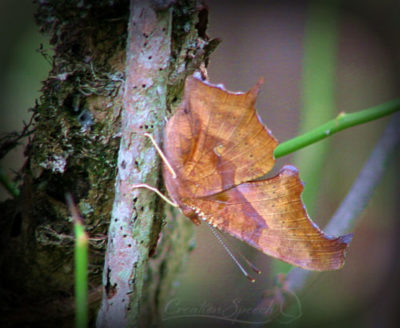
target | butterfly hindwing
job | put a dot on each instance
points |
(269, 215)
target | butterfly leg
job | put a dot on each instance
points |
(161, 154)
(159, 193)
(146, 186)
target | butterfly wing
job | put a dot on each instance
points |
(216, 140)
(269, 215)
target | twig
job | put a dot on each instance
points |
(7, 143)
(348, 213)
(11, 140)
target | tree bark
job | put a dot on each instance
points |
(92, 111)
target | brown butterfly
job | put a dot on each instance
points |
(217, 148)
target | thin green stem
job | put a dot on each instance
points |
(341, 122)
(81, 283)
(81, 266)
(81, 286)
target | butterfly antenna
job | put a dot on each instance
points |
(244, 258)
(219, 238)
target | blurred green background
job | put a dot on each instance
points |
(267, 38)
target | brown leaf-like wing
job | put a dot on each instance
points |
(269, 215)
(216, 141)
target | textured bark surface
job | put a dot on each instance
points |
(76, 142)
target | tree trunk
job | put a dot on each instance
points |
(101, 95)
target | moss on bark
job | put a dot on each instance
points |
(74, 149)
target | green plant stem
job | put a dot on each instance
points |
(81, 266)
(81, 281)
(341, 122)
